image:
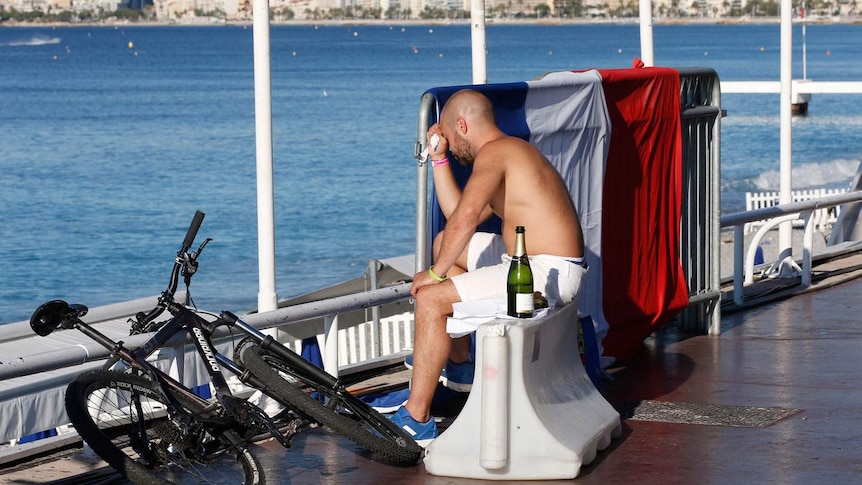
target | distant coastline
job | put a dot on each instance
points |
(420, 22)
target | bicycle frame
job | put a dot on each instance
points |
(296, 361)
(196, 327)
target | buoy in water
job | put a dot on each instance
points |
(131, 45)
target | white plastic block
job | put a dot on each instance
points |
(557, 421)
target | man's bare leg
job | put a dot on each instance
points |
(431, 345)
(460, 347)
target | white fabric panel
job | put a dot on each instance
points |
(569, 122)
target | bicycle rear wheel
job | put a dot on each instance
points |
(125, 419)
(336, 408)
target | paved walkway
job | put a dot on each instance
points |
(775, 399)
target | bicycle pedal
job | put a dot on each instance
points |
(292, 429)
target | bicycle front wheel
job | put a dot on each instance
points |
(336, 408)
(131, 425)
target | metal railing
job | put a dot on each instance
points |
(288, 319)
(301, 320)
(700, 103)
(743, 270)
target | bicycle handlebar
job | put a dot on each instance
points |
(193, 231)
(141, 322)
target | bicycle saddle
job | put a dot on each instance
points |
(52, 314)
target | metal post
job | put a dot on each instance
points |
(477, 36)
(738, 268)
(375, 311)
(785, 196)
(645, 10)
(330, 344)
(267, 299)
(804, 45)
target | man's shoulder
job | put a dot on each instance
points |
(506, 148)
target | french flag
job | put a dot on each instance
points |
(614, 136)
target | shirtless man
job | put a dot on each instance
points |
(513, 180)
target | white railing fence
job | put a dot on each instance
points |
(822, 218)
(743, 269)
(356, 343)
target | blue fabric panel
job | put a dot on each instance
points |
(38, 436)
(203, 391)
(592, 362)
(508, 100)
(311, 351)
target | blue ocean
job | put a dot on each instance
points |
(111, 138)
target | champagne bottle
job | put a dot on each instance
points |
(520, 282)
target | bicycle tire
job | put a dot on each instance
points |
(360, 423)
(104, 406)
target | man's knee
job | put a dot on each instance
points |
(437, 299)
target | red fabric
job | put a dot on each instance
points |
(644, 286)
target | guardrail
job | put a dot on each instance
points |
(283, 317)
(743, 270)
(300, 320)
(823, 218)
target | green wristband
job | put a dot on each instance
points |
(434, 275)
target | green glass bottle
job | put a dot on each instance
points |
(520, 282)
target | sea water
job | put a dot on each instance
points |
(111, 138)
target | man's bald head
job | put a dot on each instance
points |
(471, 105)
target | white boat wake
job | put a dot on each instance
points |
(33, 41)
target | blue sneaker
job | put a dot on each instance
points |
(458, 377)
(422, 433)
(388, 402)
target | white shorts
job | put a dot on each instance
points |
(558, 278)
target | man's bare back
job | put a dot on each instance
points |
(532, 195)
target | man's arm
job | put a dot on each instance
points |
(472, 208)
(445, 186)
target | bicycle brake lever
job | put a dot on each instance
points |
(190, 261)
(197, 253)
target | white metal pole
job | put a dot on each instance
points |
(477, 37)
(785, 234)
(804, 45)
(647, 55)
(330, 344)
(266, 297)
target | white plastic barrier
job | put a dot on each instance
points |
(534, 414)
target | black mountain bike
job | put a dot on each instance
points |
(153, 429)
